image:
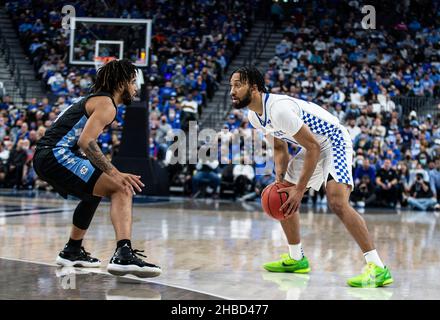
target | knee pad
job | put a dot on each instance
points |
(84, 212)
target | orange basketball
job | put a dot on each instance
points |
(271, 200)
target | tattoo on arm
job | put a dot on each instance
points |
(95, 155)
(280, 176)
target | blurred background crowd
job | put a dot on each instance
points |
(325, 56)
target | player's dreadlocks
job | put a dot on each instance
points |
(113, 76)
(251, 76)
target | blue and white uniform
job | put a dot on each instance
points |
(283, 116)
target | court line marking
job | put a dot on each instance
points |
(99, 271)
(7, 214)
(31, 210)
(5, 207)
(188, 289)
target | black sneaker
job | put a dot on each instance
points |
(81, 258)
(126, 261)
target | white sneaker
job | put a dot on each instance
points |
(360, 204)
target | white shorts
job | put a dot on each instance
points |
(334, 160)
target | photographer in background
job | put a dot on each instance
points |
(434, 177)
(243, 177)
(206, 175)
(15, 165)
(386, 185)
(404, 184)
(421, 195)
(363, 194)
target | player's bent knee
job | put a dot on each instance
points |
(106, 187)
(336, 205)
(123, 191)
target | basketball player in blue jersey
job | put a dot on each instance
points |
(69, 158)
(325, 156)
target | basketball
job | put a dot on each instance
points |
(271, 200)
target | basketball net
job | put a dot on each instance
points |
(100, 61)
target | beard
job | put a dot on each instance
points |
(244, 102)
(126, 97)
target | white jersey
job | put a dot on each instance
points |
(283, 116)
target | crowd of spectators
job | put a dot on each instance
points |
(325, 57)
(192, 45)
(329, 58)
(396, 164)
(192, 42)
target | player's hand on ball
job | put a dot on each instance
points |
(291, 205)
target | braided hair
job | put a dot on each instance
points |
(251, 76)
(113, 76)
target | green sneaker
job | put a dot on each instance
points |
(287, 264)
(372, 277)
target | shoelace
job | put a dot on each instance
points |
(136, 252)
(368, 268)
(285, 256)
(85, 252)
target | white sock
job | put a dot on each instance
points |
(372, 256)
(296, 252)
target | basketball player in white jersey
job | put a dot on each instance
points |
(325, 156)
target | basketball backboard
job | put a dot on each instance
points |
(92, 39)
